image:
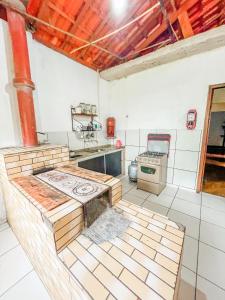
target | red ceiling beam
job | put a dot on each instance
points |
(185, 25)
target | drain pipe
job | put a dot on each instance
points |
(22, 80)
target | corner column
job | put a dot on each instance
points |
(22, 80)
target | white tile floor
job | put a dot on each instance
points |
(18, 280)
(203, 270)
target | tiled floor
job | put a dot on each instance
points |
(203, 270)
(18, 280)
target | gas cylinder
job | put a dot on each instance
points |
(111, 124)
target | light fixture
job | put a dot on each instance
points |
(118, 7)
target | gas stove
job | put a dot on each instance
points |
(151, 157)
(152, 165)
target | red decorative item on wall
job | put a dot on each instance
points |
(191, 119)
(111, 124)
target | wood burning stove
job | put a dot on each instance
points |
(95, 197)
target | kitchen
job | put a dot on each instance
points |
(160, 95)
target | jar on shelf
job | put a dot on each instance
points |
(88, 109)
(83, 108)
(93, 109)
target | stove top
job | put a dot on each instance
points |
(151, 154)
(76, 187)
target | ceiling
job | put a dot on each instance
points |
(80, 22)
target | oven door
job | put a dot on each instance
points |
(149, 172)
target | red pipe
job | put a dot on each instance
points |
(22, 81)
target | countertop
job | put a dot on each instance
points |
(83, 154)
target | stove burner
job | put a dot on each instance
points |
(152, 154)
(57, 178)
(85, 189)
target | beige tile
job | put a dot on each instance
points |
(125, 247)
(139, 245)
(69, 236)
(175, 231)
(105, 259)
(166, 263)
(139, 288)
(160, 248)
(127, 209)
(83, 255)
(89, 282)
(166, 221)
(134, 233)
(67, 257)
(136, 219)
(160, 287)
(125, 203)
(151, 221)
(115, 286)
(155, 268)
(166, 234)
(142, 210)
(129, 263)
(171, 245)
(65, 216)
(147, 232)
(106, 246)
(70, 226)
(84, 241)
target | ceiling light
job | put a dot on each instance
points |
(118, 6)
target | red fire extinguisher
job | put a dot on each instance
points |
(111, 124)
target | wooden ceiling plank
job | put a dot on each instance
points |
(111, 23)
(79, 18)
(185, 24)
(140, 33)
(172, 17)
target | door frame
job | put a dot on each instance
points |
(205, 135)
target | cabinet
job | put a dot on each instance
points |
(113, 163)
(108, 164)
(96, 164)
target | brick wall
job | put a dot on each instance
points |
(23, 161)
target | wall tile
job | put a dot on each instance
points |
(144, 136)
(184, 178)
(142, 150)
(131, 152)
(171, 158)
(121, 135)
(173, 134)
(74, 142)
(132, 137)
(186, 160)
(188, 140)
(170, 175)
(58, 138)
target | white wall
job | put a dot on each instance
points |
(60, 83)
(157, 100)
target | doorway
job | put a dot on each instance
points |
(211, 178)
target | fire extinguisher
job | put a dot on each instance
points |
(111, 124)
